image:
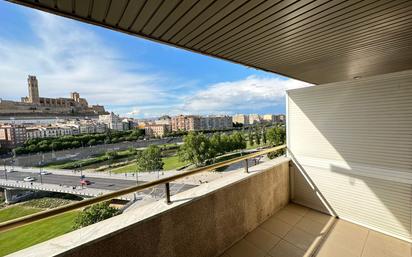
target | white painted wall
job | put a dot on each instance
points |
(353, 140)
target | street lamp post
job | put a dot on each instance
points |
(5, 169)
(137, 176)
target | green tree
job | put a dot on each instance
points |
(251, 139)
(33, 148)
(217, 145)
(238, 140)
(94, 214)
(75, 144)
(276, 135)
(264, 138)
(91, 142)
(111, 155)
(257, 136)
(196, 149)
(150, 159)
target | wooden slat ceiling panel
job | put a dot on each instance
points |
(208, 15)
(237, 15)
(347, 38)
(116, 11)
(357, 25)
(160, 16)
(302, 22)
(149, 9)
(130, 14)
(213, 21)
(100, 10)
(65, 5)
(273, 16)
(318, 41)
(81, 7)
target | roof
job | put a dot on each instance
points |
(315, 41)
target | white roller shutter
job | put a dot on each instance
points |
(353, 140)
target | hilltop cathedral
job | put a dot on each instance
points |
(34, 104)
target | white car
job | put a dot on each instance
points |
(45, 173)
(29, 179)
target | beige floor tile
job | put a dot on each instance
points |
(347, 240)
(332, 249)
(288, 216)
(262, 239)
(245, 249)
(285, 249)
(350, 228)
(318, 216)
(276, 227)
(297, 209)
(300, 238)
(380, 245)
(311, 226)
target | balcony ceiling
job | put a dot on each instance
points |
(315, 41)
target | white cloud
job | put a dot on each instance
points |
(67, 57)
(252, 93)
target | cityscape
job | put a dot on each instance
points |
(33, 118)
(205, 128)
(60, 151)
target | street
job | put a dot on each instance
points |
(96, 183)
(86, 152)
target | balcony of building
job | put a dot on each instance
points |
(239, 215)
(344, 187)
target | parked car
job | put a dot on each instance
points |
(45, 172)
(29, 179)
(85, 182)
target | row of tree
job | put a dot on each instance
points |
(76, 141)
(262, 135)
(197, 148)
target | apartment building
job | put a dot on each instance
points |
(216, 122)
(241, 118)
(269, 118)
(199, 123)
(164, 120)
(65, 129)
(48, 131)
(186, 123)
(157, 130)
(280, 118)
(112, 121)
(254, 119)
(12, 135)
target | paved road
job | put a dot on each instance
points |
(86, 152)
(97, 183)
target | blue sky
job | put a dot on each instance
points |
(129, 75)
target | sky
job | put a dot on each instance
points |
(128, 75)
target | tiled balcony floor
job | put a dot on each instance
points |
(296, 231)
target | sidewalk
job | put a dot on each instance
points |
(142, 176)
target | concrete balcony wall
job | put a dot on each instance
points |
(203, 221)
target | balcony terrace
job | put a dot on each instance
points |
(345, 186)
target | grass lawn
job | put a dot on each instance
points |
(23, 237)
(126, 169)
(170, 163)
(15, 212)
(248, 146)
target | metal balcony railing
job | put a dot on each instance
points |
(166, 181)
